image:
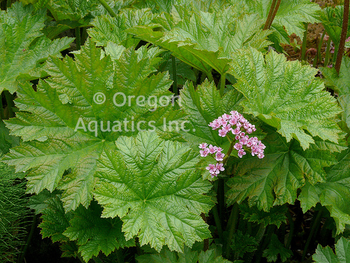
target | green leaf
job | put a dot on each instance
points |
(332, 20)
(276, 248)
(203, 105)
(90, 232)
(23, 48)
(6, 140)
(332, 193)
(243, 243)
(275, 179)
(54, 220)
(106, 28)
(326, 254)
(291, 14)
(65, 130)
(286, 95)
(154, 187)
(276, 215)
(94, 234)
(340, 83)
(73, 10)
(204, 40)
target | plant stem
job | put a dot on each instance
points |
(303, 47)
(217, 222)
(222, 84)
(10, 105)
(83, 36)
(328, 48)
(315, 225)
(232, 226)
(319, 48)
(274, 13)
(1, 108)
(210, 76)
(77, 38)
(175, 87)
(228, 153)
(108, 8)
(32, 228)
(343, 36)
(269, 16)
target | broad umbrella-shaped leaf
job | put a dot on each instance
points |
(286, 95)
(275, 179)
(204, 40)
(154, 187)
(66, 129)
(23, 47)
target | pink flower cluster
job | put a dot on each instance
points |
(239, 127)
(214, 169)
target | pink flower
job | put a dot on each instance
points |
(219, 156)
(226, 117)
(212, 149)
(210, 167)
(215, 124)
(244, 140)
(238, 146)
(220, 167)
(204, 153)
(203, 146)
(232, 123)
(222, 133)
(241, 153)
(236, 131)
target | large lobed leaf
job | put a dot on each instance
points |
(204, 40)
(23, 47)
(275, 179)
(57, 120)
(154, 187)
(286, 95)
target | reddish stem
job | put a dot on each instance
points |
(343, 36)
